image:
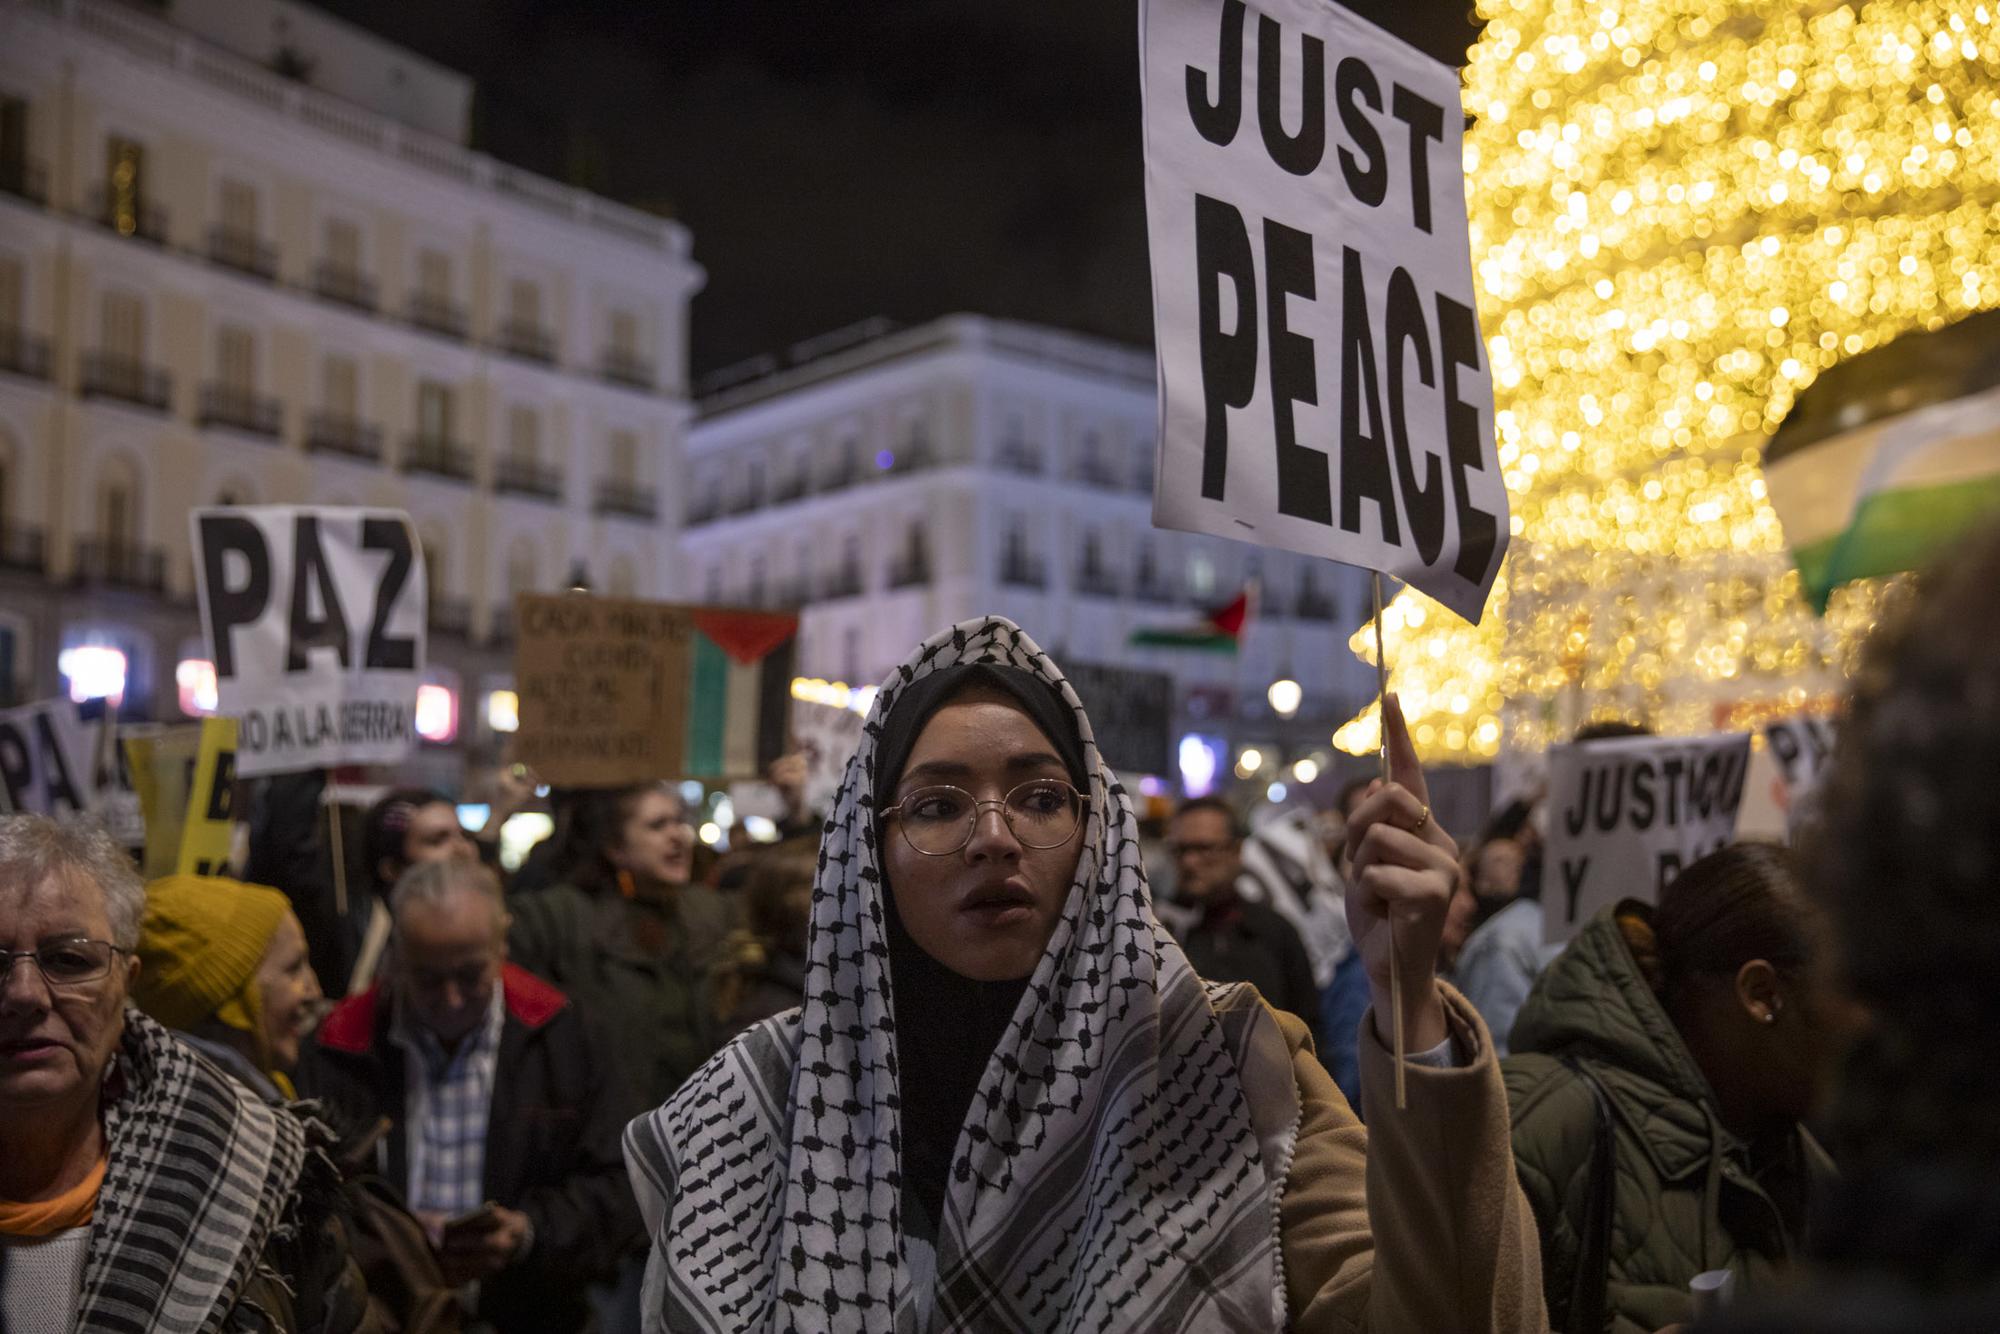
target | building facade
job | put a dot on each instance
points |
(222, 283)
(895, 482)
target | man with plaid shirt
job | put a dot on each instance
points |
(503, 1110)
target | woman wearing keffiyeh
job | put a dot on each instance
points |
(1008, 1103)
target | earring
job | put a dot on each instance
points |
(1770, 1016)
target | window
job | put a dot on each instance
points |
(433, 571)
(524, 303)
(521, 569)
(236, 357)
(13, 292)
(433, 410)
(239, 208)
(624, 456)
(625, 333)
(624, 578)
(850, 553)
(524, 435)
(340, 386)
(434, 274)
(118, 513)
(1015, 544)
(1093, 554)
(123, 317)
(756, 596)
(124, 184)
(343, 245)
(13, 140)
(850, 653)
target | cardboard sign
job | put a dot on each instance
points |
(46, 764)
(117, 801)
(315, 622)
(1323, 386)
(1626, 815)
(1131, 713)
(209, 821)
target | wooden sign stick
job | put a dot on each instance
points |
(1389, 919)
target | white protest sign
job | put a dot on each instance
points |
(1627, 814)
(1323, 386)
(1803, 749)
(46, 765)
(315, 622)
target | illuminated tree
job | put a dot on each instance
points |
(1683, 211)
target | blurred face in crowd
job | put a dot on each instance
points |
(1207, 855)
(288, 993)
(987, 910)
(57, 1036)
(448, 959)
(656, 842)
(1497, 876)
(435, 835)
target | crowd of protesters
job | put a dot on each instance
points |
(938, 1060)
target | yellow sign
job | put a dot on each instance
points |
(162, 767)
(205, 833)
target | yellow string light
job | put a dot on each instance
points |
(1681, 212)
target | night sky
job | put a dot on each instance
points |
(836, 161)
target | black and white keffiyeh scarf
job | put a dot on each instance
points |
(199, 1174)
(1110, 1174)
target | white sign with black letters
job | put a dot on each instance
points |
(1323, 386)
(315, 622)
(1626, 815)
(1802, 748)
(46, 765)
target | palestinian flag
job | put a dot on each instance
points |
(739, 691)
(1220, 631)
(1889, 458)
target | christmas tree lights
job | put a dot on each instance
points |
(1681, 212)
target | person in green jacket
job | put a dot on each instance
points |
(625, 934)
(1702, 1033)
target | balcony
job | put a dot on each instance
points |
(120, 564)
(22, 547)
(909, 571)
(345, 435)
(1018, 457)
(1098, 473)
(245, 252)
(842, 583)
(1098, 582)
(141, 219)
(344, 286)
(621, 366)
(792, 488)
(794, 593)
(24, 178)
(528, 341)
(527, 477)
(450, 616)
(624, 498)
(437, 457)
(436, 314)
(1018, 570)
(240, 409)
(840, 478)
(707, 510)
(24, 354)
(747, 501)
(109, 375)
(1313, 605)
(500, 628)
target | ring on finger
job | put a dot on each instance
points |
(1423, 818)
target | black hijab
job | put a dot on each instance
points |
(940, 1064)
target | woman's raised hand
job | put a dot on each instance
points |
(1400, 867)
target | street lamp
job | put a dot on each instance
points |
(1285, 695)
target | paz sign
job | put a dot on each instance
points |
(1323, 387)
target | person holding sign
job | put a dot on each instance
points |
(1009, 1102)
(1672, 1056)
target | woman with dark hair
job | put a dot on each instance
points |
(1905, 857)
(1009, 1103)
(762, 971)
(624, 933)
(1669, 1058)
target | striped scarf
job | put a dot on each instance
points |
(200, 1174)
(1110, 1174)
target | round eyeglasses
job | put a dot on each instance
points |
(938, 821)
(65, 963)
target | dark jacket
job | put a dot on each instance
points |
(1687, 1198)
(639, 965)
(552, 1146)
(1236, 940)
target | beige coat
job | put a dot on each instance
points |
(1415, 1223)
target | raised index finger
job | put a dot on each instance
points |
(1404, 770)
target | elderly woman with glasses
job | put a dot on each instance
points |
(1009, 1103)
(140, 1187)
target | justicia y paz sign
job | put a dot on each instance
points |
(1627, 815)
(1323, 386)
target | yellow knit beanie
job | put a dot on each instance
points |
(200, 944)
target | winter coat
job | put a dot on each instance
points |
(1238, 940)
(1499, 965)
(1686, 1198)
(551, 1147)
